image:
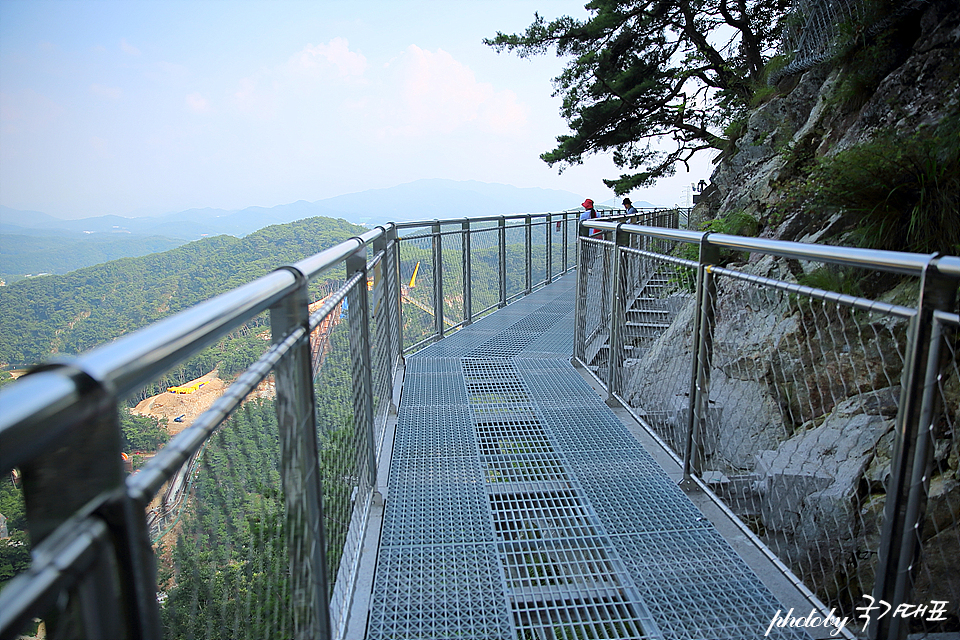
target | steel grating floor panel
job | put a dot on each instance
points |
(520, 507)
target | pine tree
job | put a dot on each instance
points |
(653, 81)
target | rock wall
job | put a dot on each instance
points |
(916, 84)
(804, 395)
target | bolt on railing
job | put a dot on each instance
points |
(306, 475)
(821, 420)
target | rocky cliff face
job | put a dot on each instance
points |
(907, 80)
(803, 394)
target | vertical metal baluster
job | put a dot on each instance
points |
(502, 241)
(437, 280)
(528, 251)
(702, 359)
(467, 274)
(300, 468)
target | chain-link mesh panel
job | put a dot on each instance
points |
(346, 448)
(516, 258)
(453, 280)
(484, 269)
(383, 343)
(797, 433)
(540, 233)
(416, 288)
(660, 317)
(557, 232)
(594, 279)
(820, 30)
(223, 566)
(572, 233)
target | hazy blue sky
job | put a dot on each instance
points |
(136, 107)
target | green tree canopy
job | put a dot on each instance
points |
(653, 81)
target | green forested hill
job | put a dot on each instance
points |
(26, 254)
(74, 312)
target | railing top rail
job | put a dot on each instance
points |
(663, 233)
(318, 263)
(415, 224)
(893, 261)
(949, 265)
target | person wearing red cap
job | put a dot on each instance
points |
(588, 213)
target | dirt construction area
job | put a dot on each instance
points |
(169, 406)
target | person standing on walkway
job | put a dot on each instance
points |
(631, 210)
(588, 213)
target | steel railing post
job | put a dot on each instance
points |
(137, 562)
(617, 316)
(580, 305)
(467, 274)
(528, 252)
(502, 258)
(299, 468)
(361, 357)
(908, 485)
(391, 275)
(566, 232)
(548, 240)
(400, 286)
(89, 450)
(698, 403)
(437, 279)
(381, 294)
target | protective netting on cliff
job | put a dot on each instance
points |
(820, 30)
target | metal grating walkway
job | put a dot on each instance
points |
(520, 507)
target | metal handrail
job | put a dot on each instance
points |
(891, 261)
(55, 402)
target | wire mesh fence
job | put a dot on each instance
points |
(798, 408)
(453, 291)
(662, 309)
(480, 266)
(485, 268)
(416, 287)
(594, 282)
(222, 568)
(803, 396)
(515, 258)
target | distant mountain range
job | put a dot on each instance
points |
(32, 242)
